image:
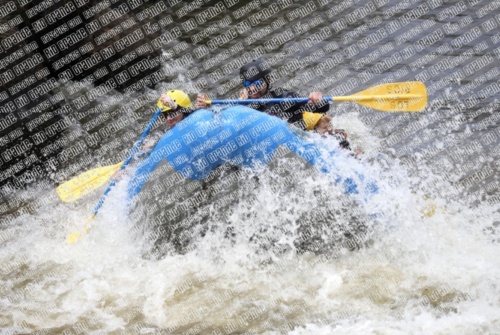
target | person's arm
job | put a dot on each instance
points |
(201, 99)
(295, 111)
(317, 104)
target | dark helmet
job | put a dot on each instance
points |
(255, 70)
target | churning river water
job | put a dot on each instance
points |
(427, 261)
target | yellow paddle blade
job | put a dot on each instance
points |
(410, 96)
(86, 182)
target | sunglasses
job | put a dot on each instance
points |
(171, 113)
(257, 83)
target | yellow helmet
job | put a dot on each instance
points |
(179, 97)
(311, 119)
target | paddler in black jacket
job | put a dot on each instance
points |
(310, 115)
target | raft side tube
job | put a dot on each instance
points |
(238, 136)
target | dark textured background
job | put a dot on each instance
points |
(67, 120)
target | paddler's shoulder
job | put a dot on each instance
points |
(280, 92)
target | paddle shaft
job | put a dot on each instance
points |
(127, 161)
(392, 97)
(325, 99)
(266, 101)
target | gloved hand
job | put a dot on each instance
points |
(168, 101)
(315, 97)
(243, 94)
(200, 100)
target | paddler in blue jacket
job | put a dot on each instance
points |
(306, 116)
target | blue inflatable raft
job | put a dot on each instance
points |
(188, 155)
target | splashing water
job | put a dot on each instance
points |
(424, 266)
